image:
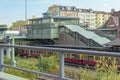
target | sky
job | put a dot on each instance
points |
(14, 10)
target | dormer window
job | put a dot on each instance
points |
(63, 8)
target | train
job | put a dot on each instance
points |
(75, 59)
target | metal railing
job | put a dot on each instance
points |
(61, 58)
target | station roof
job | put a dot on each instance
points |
(88, 34)
(115, 42)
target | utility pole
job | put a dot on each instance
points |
(25, 9)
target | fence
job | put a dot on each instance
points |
(61, 58)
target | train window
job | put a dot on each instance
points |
(97, 57)
(75, 56)
(45, 54)
(50, 53)
(85, 57)
(91, 58)
(88, 57)
(65, 55)
(22, 51)
(37, 51)
(31, 51)
(68, 55)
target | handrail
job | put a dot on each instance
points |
(61, 61)
(73, 51)
(61, 58)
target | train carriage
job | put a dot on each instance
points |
(76, 59)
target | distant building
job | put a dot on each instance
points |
(3, 27)
(111, 27)
(55, 10)
(20, 26)
(100, 18)
(86, 17)
(117, 14)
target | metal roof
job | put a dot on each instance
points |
(115, 42)
(88, 34)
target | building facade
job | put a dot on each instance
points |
(86, 17)
(111, 29)
(117, 14)
(3, 27)
(101, 18)
(55, 10)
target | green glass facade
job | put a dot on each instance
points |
(47, 28)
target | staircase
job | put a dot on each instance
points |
(79, 34)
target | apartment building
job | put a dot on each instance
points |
(100, 18)
(86, 17)
(55, 10)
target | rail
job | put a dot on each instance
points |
(61, 58)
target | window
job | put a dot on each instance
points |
(75, 56)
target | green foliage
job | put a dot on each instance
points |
(23, 63)
(103, 71)
(47, 64)
(106, 70)
(18, 23)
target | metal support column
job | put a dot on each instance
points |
(1, 58)
(13, 52)
(8, 52)
(61, 65)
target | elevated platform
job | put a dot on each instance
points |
(6, 76)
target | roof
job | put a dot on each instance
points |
(88, 34)
(115, 42)
(61, 17)
(67, 8)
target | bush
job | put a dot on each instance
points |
(48, 64)
(23, 63)
(103, 71)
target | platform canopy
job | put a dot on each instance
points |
(115, 42)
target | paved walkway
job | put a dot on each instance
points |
(6, 76)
